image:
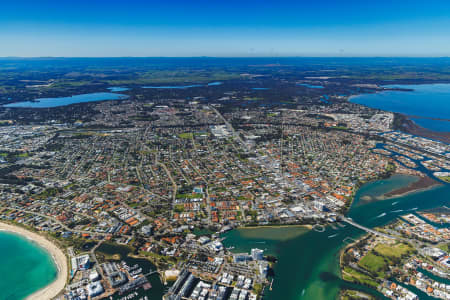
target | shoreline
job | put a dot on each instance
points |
(423, 184)
(409, 126)
(59, 258)
(307, 226)
(405, 122)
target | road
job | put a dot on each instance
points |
(231, 129)
(92, 233)
(366, 229)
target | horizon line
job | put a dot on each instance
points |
(206, 56)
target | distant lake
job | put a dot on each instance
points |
(427, 100)
(214, 83)
(325, 99)
(310, 86)
(182, 87)
(260, 89)
(63, 101)
(118, 89)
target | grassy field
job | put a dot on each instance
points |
(445, 247)
(351, 275)
(186, 135)
(377, 261)
(253, 98)
(189, 196)
(445, 178)
(374, 264)
(396, 250)
(179, 76)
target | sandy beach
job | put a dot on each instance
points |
(53, 289)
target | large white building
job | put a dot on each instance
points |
(95, 289)
(94, 276)
(257, 254)
(81, 262)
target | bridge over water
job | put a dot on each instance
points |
(369, 230)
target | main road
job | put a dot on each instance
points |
(382, 234)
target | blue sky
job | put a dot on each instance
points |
(225, 28)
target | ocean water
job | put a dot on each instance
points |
(25, 267)
(426, 100)
(308, 262)
(63, 101)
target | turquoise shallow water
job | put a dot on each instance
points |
(375, 191)
(426, 100)
(25, 267)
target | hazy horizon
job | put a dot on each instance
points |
(224, 57)
(285, 28)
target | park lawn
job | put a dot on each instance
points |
(253, 98)
(352, 275)
(396, 250)
(445, 178)
(374, 264)
(445, 247)
(186, 135)
(189, 196)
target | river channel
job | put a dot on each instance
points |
(308, 261)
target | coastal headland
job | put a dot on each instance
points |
(59, 258)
